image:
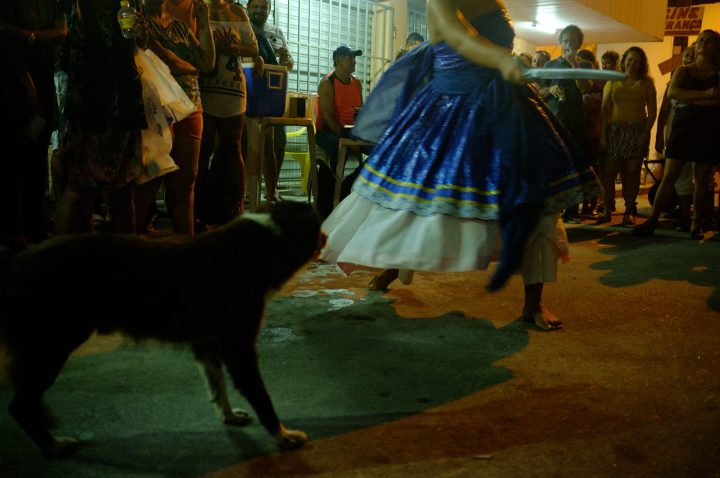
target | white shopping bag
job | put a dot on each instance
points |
(156, 139)
(173, 99)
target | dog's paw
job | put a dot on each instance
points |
(237, 418)
(290, 439)
(62, 447)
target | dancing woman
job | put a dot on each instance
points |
(470, 154)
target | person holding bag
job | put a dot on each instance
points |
(101, 148)
(220, 188)
(165, 103)
(187, 56)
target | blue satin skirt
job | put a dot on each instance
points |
(469, 144)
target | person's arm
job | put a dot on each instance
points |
(146, 40)
(12, 58)
(50, 36)
(226, 42)
(662, 120)
(204, 45)
(571, 57)
(543, 86)
(708, 97)
(248, 43)
(285, 57)
(177, 65)
(605, 112)
(326, 98)
(447, 23)
(258, 66)
(651, 107)
(248, 46)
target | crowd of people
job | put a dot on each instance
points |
(428, 197)
(619, 116)
(100, 116)
(411, 208)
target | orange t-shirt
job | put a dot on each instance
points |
(348, 96)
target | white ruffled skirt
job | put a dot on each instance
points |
(363, 233)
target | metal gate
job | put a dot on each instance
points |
(416, 22)
(314, 28)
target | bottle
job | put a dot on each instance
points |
(126, 18)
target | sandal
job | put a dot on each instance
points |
(628, 219)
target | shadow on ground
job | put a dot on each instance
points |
(143, 410)
(636, 260)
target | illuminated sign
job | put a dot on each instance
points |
(683, 21)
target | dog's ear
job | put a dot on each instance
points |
(300, 226)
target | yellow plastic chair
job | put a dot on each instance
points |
(303, 159)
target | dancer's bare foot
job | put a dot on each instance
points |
(383, 279)
(543, 318)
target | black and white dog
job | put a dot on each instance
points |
(208, 292)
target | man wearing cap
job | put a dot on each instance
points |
(339, 98)
(274, 51)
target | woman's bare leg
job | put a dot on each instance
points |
(143, 198)
(608, 173)
(122, 210)
(180, 184)
(631, 189)
(74, 212)
(270, 170)
(701, 175)
(671, 173)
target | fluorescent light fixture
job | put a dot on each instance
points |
(543, 27)
(536, 27)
